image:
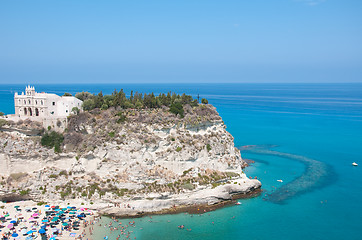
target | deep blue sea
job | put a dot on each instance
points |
(308, 135)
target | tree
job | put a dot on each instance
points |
(1, 114)
(177, 108)
(204, 101)
(98, 100)
(75, 110)
(67, 94)
(88, 104)
(84, 96)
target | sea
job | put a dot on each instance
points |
(306, 135)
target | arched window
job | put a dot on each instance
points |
(25, 111)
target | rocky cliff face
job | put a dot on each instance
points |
(125, 155)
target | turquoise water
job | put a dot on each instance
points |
(298, 129)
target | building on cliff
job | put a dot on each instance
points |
(48, 108)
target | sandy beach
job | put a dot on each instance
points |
(26, 220)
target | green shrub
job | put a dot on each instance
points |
(112, 134)
(75, 110)
(24, 192)
(3, 122)
(52, 139)
(177, 109)
(53, 176)
(188, 186)
(178, 149)
(122, 118)
(232, 174)
(208, 147)
(18, 176)
(204, 101)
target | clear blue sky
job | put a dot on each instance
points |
(180, 41)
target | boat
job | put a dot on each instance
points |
(238, 203)
(279, 180)
(354, 164)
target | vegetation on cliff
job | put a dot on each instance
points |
(136, 101)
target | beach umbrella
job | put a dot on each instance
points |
(35, 215)
(23, 231)
(31, 218)
(14, 235)
(45, 220)
(47, 205)
(16, 206)
(29, 238)
(10, 226)
(65, 224)
(29, 232)
(13, 221)
(42, 230)
(52, 238)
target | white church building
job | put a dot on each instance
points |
(44, 107)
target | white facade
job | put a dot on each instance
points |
(40, 106)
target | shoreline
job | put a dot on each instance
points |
(202, 208)
(196, 208)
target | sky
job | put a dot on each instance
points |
(185, 41)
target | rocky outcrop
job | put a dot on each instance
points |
(148, 154)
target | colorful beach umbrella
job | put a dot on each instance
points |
(16, 206)
(10, 226)
(35, 215)
(42, 230)
(13, 221)
(14, 235)
(65, 224)
(45, 220)
(29, 232)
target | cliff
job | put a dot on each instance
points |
(127, 155)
